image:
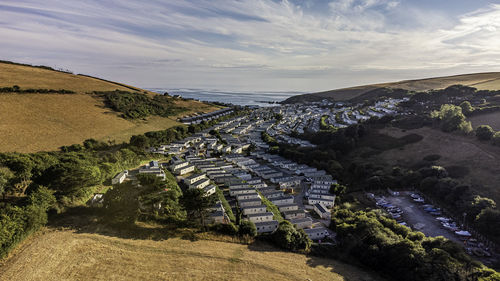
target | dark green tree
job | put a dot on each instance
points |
(5, 177)
(121, 203)
(288, 237)
(197, 204)
(139, 141)
(247, 228)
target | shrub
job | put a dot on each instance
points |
(484, 132)
(451, 118)
(466, 107)
(496, 138)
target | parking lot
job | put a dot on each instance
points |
(418, 219)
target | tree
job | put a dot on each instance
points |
(121, 203)
(288, 237)
(484, 132)
(40, 201)
(467, 108)
(197, 204)
(247, 228)
(5, 176)
(338, 189)
(488, 222)
(139, 141)
(71, 176)
(451, 118)
(479, 204)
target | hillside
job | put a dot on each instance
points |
(481, 81)
(39, 122)
(69, 255)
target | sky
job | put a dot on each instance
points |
(254, 45)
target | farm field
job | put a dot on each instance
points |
(68, 255)
(475, 161)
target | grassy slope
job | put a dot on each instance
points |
(480, 159)
(35, 122)
(68, 255)
(482, 81)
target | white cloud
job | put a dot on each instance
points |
(249, 43)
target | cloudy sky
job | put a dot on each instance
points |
(254, 44)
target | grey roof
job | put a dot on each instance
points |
(249, 200)
(194, 176)
(299, 220)
(273, 222)
(320, 208)
(294, 212)
(200, 181)
(260, 215)
(315, 230)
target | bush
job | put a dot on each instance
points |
(484, 132)
(452, 119)
(16, 223)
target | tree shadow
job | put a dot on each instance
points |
(328, 256)
(93, 221)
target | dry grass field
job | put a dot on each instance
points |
(39, 78)
(482, 81)
(43, 122)
(480, 159)
(37, 122)
(68, 255)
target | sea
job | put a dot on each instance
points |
(261, 98)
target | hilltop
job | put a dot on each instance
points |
(481, 81)
(32, 122)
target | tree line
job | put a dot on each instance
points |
(139, 105)
(71, 174)
(17, 89)
(381, 244)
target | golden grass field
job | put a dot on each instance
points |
(481, 81)
(39, 78)
(67, 255)
(480, 158)
(44, 122)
